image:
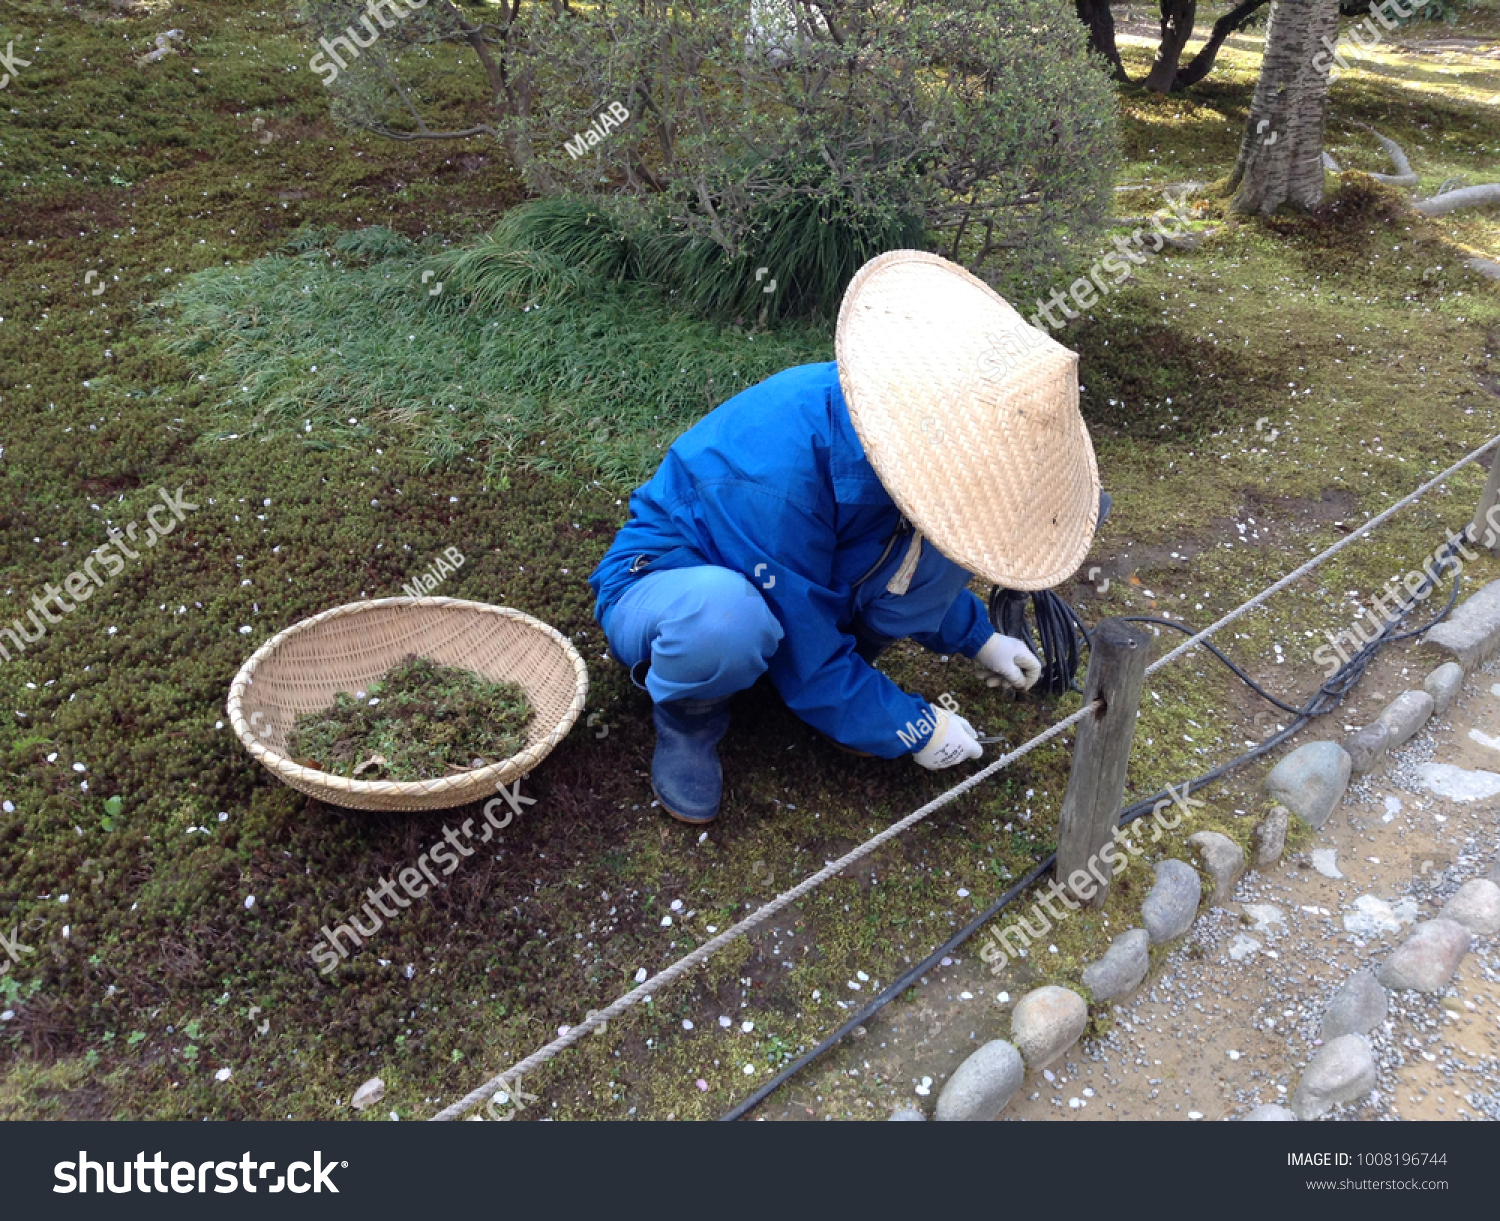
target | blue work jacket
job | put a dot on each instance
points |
(774, 484)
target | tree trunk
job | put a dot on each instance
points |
(1203, 62)
(1281, 154)
(1100, 20)
(1177, 18)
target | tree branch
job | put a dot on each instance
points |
(1230, 23)
(379, 129)
(1453, 201)
(1404, 176)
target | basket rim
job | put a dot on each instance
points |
(518, 764)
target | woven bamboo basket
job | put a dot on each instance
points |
(301, 669)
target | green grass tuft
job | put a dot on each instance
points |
(593, 384)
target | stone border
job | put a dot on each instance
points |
(1309, 782)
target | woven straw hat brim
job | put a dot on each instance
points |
(302, 668)
(969, 416)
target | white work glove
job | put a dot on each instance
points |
(1006, 660)
(953, 741)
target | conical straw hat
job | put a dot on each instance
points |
(969, 416)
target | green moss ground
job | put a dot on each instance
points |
(1325, 331)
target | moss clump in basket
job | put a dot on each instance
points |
(421, 721)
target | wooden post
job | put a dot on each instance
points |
(1096, 785)
(1480, 532)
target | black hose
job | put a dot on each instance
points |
(1323, 701)
(1063, 634)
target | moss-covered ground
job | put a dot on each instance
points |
(170, 932)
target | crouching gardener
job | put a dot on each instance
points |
(812, 520)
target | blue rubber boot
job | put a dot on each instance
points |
(685, 771)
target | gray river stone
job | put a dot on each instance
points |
(1427, 959)
(1343, 1071)
(1270, 836)
(1475, 905)
(1223, 859)
(983, 1084)
(1045, 1023)
(1404, 715)
(1269, 1112)
(1366, 747)
(1311, 780)
(1443, 684)
(1173, 902)
(1357, 1008)
(1471, 634)
(909, 1114)
(1122, 968)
